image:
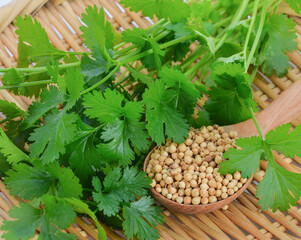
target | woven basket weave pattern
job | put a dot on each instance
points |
(242, 220)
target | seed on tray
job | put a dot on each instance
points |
(187, 173)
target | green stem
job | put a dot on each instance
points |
(102, 81)
(254, 14)
(41, 69)
(256, 123)
(258, 34)
(27, 84)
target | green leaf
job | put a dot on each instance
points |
(84, 157)
(30, 182)
(231, 98)
(119, 187)
(98, 33)
(184, 94)
(175, 10)
(93, 67)
(163, 119)
(246, 160)
(10, 151)
(279, 188)
(74, 81)
(10, 109)
(49, 141)
(55, 214)
(34, 41)
(122, 124)
(280, 37)
(284, 141)
(295, 5)
(4, 165)
(141, 218)
(49, 100)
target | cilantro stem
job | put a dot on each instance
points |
(258, 34)
(102, 81)
(41, 69)
(254, 14)
(27, 84)
(256, 123)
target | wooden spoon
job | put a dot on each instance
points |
(284, 109)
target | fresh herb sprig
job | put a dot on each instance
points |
(88, 132)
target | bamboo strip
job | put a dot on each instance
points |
(166, 233)
(5, 215)
(12, 199)
(263, 222)
(4, 204)
(72, 229)
(176, 228)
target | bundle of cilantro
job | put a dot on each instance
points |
(88, 134)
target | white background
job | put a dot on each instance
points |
(4, 2)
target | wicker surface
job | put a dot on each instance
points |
(242, 220)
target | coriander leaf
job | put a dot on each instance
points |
(84, 157)
(284, 141)
(10, 151)
(54, 72)
(28, 220)
(279, 188)
(184, 94)
(122, 124)
(295, 5)
(161, 117)
(35, 43)
(231, 98)
(55, 214)
(107, 202)
(98, 33)
(49, 141)
(246, 160)
(139, 76)
(4, 166)
(49, 100)
(74, 81)
(140, 219)
(10, 109)
(119, 187)
(68, 183)
(280, 38)
(28, 182)
(136, 36)
(175, 10)
(93, 67)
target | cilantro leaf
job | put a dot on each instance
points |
(183, 94)
(231, 98)
(33, 41)
(98, 33)
(142, 38)
(122, 124)
(4, 165)
(280, 38)
(246, 160)
(284, 141)
(119, 187)
(161, 117)
(93, 67)
(279, 188)
(10, 109)
(30, 182)
(74, 81)
(295, 5)
(175, 10)
(49, 141)
(10, 151)
(140, 219)
(83, 155)
(49, 100)
(56, 213)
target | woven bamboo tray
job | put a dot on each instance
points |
(243, 219)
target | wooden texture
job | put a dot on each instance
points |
(243, 219)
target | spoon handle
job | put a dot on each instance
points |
(286, 108)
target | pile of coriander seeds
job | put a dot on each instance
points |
(187, 173)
